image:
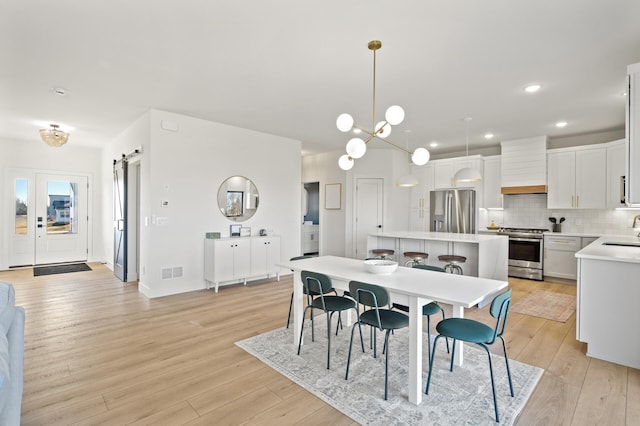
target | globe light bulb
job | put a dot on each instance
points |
(394, 115)
(420, 156)
(386, 129)
(344, 123)
(345, 162)
(356, 148)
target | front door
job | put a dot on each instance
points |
(368, 213)
(49, 215)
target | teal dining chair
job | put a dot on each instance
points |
(374, 298)
(428, 309)
(316, 287)
(472, 331)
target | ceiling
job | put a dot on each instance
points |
(290, 67)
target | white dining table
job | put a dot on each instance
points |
(407, 286)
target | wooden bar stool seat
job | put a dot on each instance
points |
(382, 253)
(415, 258)
(453, 263)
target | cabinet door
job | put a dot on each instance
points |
(223, 260)
(616, 157)
(443, 174)
(492, 183)
(418, 220)
(561, 180)
(591, 178)
(242, 258)
(273, 255)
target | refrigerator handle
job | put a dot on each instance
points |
(448, 217)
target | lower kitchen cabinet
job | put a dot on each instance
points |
(560, 255)
(230, 260)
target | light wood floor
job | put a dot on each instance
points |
(98, 352)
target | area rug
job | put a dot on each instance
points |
(461, 397)
(60, 269)
(548, 305)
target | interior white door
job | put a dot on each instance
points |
(61, 218)
(369, 199)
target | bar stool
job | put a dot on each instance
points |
(382, 253)
(453, 263)
(415, 258)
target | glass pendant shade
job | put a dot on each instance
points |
(53, 136)
(344, 123)
(420, 156)
(407, 181)
(356, 148)
(394, 115)
(384, 129)
(345, 162)
(467, 174)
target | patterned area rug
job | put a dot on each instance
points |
(548, 305)
(461, 397)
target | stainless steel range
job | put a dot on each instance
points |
(526, 253)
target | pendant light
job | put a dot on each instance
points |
(407, 181)
(467, 174)
(357, 147)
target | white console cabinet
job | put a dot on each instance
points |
(230, 260)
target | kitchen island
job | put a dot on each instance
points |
(608, 295)
(487, 255)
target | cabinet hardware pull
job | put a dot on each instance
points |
(572, 201)
(577, 200)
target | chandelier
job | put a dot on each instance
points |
(54, 136)
(356, 147)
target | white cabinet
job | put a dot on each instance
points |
(232, 259)
(310, 239)
(419, 197)
(445, 170)
(559, 256)
(492, 183)
(616, 153)
(633, 136)
(265, 253)
(577, 178)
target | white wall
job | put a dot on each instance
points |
(185, 168)
(36, 155)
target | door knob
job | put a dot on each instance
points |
(379, 226)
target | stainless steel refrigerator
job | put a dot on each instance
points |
(453, 210)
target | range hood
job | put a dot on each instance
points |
(524, 166)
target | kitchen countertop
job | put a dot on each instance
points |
(574, 234)
(439, 236)
(598, 251)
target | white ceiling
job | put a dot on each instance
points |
(289, 67)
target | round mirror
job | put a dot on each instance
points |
(238, 198)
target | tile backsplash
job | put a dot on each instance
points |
(530, 211)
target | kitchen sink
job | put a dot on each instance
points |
(621, 244)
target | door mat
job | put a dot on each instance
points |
(548, 305)
(60, 269)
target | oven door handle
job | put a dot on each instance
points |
(528, 240)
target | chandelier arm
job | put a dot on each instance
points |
(373, 114)
(393, 144)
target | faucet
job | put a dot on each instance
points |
(636, 225)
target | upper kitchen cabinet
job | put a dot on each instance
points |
(492, 182)
(445, 170)
(616, 158)
(577, 178)
(633, 136)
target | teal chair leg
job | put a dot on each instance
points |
(506, 360)
(493, 386)
(386, 364)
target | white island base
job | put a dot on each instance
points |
(487, 255)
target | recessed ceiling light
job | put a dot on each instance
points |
(561, 123)
(488, 135)
(433, 144)
(532, 88)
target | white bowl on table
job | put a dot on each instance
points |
(380, 266)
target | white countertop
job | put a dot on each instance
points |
(440, 236)
(597, 250)
(573, 234)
